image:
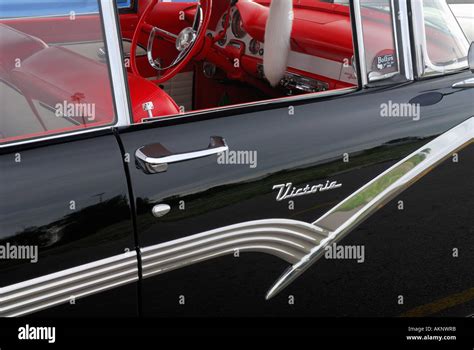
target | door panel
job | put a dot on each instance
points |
(306, 148)
(69, 199)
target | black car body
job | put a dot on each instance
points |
(143, 219)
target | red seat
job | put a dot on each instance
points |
(143, 90)
(57, 75)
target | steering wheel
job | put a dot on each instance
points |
(188, 42)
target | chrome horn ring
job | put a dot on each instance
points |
(185, 41)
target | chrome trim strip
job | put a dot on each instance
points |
(352, 211)
(286, 239)
(58, 288)
(360, 43)
(395, 34)
(116, 63)
(267, 103)
(406, 40)
(418, 33)
(56, 136)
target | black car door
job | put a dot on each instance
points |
(68, 201)
(226, 200)
(338, 143)
(66, 229)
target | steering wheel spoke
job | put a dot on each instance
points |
(165, 35)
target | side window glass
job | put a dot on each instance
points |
(446, 44)
(463, 10)
(380, 39)
(54, 73)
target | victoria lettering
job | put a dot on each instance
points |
(286, 191)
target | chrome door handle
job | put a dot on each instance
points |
(468, 83)
(155, 158)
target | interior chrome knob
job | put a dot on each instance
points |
(148, 106)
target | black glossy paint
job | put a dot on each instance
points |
(408, 253)
(304, 148)
(35, 209)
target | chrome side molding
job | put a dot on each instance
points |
(61, 287)
(348, 214)
(289, 240)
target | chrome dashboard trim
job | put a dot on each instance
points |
(59, 288)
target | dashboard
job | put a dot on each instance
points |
(305, 73)
(236, 35)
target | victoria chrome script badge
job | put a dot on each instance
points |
(286, 191)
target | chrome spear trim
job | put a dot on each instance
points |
(353, 210)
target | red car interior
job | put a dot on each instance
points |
(44, 72)
(50, 72)
(310, 17)
(44, 77)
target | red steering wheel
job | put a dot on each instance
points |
(188, 42)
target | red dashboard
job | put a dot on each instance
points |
(237, 43)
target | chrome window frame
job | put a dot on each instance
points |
(402, 40)
(424, 67)
(119, 84)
